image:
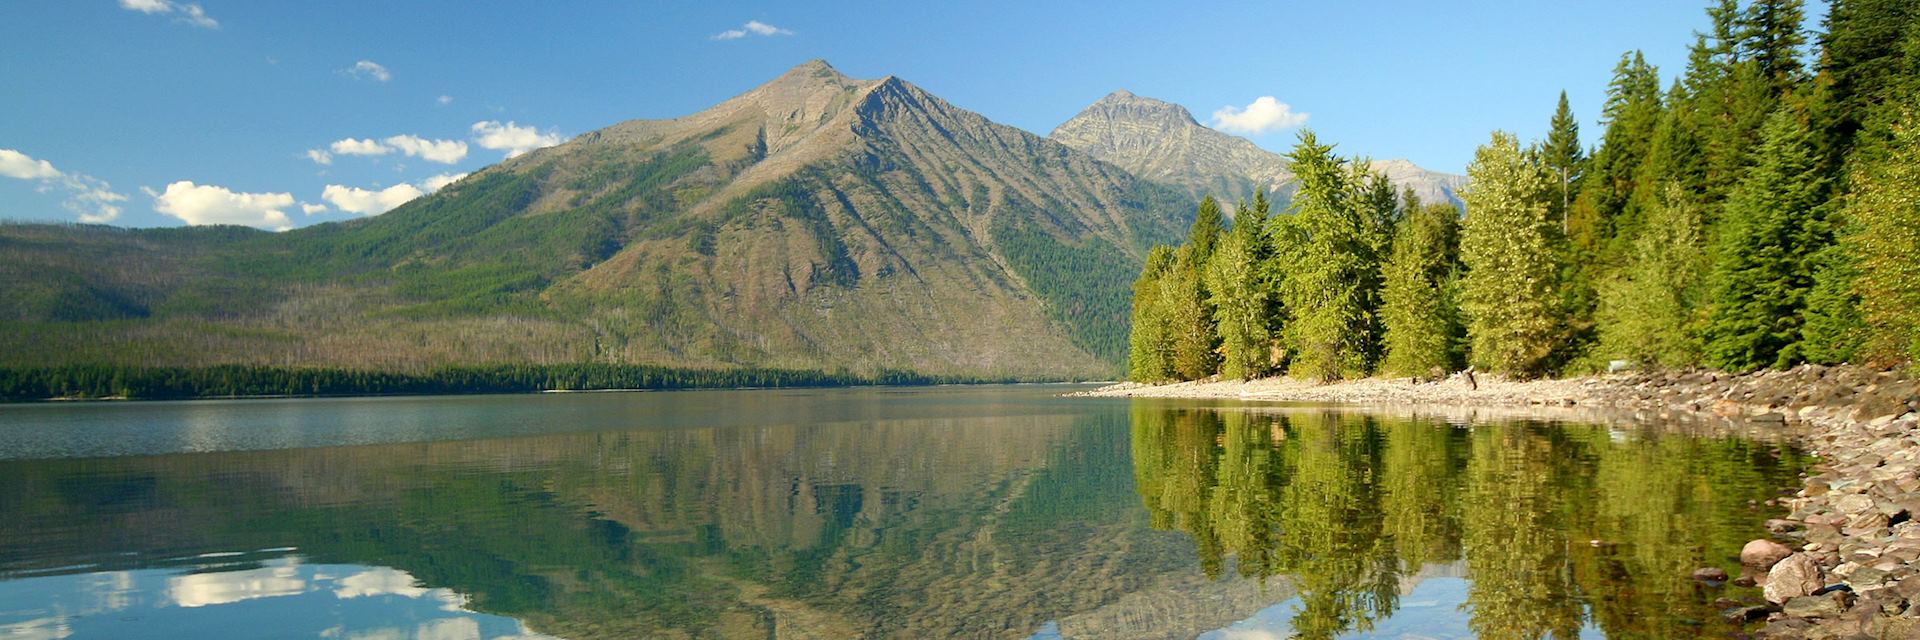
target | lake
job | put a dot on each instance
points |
(975, 512)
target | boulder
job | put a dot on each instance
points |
(1797, 575)
(1762, 554)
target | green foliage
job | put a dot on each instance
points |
(1189, 323)
(1509, 294)
(1563, 155)
(1150, 339)
(1884, 208)
(1420, 309)
(1240, 294)
(1772, 226)
(1207, 227)
(1833, 330)
(1649, 310)
(1332, 275)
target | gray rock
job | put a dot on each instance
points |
(1797, 575)
(1742, 615)
(1711, 574)
(1762, 554)
(1822, 606)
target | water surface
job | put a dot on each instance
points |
(979, 512)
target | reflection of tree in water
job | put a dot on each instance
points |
(1346, 505)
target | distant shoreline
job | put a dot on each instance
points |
(85, 383)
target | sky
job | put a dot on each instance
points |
(281, 114)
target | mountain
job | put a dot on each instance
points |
(816, 221)
(1160, 141)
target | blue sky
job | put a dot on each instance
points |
(172, 112)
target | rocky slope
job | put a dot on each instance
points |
(817, 221)
(1161, 141)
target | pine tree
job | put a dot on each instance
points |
(1150, 341)
(1773, 41)
(1884, 207)
(1420, 310)
(1240, 298)
(1772, 226)
(1648, 311)
(1564, 157)
(1190, 322)
(1329, 278)
(1208, 224)
(1509, 293)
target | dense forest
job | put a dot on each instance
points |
(1763, 210)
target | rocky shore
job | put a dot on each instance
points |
(1844, 561)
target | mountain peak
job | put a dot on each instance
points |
(1127, 105)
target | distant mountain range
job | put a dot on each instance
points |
(1160, 141)
(817, 221)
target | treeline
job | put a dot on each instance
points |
(1761, 211)
(159, 383)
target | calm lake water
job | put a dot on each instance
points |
(975, 512)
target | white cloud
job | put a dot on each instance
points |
(190, 13)
(1265, 115)
(512, 138)
(209, 204)
(90, 198)
(367, 147)
(438, 182)
(368, 202)
(752, 28)
(310, 208)
(319, 157)
(368, 69)
(444, 100)
(14, 164)
(441, 151)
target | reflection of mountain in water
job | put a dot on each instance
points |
(981, 526)
(1558, 526)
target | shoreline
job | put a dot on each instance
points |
(1848, 545)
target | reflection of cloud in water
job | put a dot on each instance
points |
(280, 578)
(379, 581)
(49, 628)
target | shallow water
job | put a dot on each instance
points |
(931, 512)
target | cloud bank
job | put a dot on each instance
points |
(512, 138)
(198, 204)
(90, 198)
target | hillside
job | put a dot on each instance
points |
(817, 221)
(1160, 141)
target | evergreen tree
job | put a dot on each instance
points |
(1563, 156)
(1834, 330)
(1773, 41)
(1772, 227)
(1184, 301)
(1150, 342)
(1884, 207)
(1648, 311)
(1509, 293)
(1420, 309)
(1330, 279)
(1868, 61)
(1237, 285)
(1632, 116)
(1208, 224)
